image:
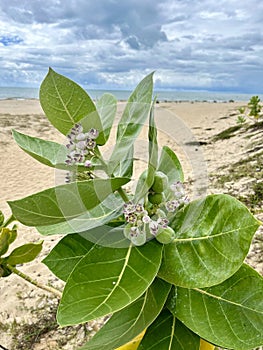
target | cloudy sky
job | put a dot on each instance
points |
(191, 44)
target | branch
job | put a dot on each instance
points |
(34, 282)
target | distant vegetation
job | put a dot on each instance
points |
(251, 111)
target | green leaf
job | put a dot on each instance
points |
(12, 234)
(63, 202)
(126, 324)
(132, 121)
(66, 254)
(153, 148)
(24, 253)
(47, 152)
(213, 236)
(4, 240)
(72, 248)
(125, 166)
(103, 213)
(2, 218)
(107, 236)
(170, 165)
(106, 280)
(145, 183)
(107, 107)
(229, 315)
(168, 333)
(65, 103)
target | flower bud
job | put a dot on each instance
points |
(155, 198)
(166, 235)
(160, 182)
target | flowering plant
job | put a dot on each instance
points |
(148, 257)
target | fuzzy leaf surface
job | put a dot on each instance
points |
(126, 324)
(170, 165)
(230, 314)
(65, 103)
(107, 107)
(125, 166)
(213, 236)
(144, 184)
(47, 152)
(168, 333)
(66, 254)
(73, 247)
(63, 202)
(132, 121)
(103, 213)
(106, 280)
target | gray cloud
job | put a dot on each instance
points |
(109, 43)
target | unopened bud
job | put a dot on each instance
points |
(160, 182)
(166, 235)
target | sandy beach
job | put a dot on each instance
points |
(184, 126)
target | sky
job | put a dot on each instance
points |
(112, 44)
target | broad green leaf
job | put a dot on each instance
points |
(168, 333)
(170, 165)
(2, 218)
(134, 343)
(66, 254)
(24, 253)
(65, 103)
(145, 183)
(107, 236)
(132, 121)
(4, 240)
(103, 213)
(72, 248)
(63, 202)
(229, 315)
(213, 236)
(47, 152)
(106, 280)
(125, 166)
(126, 324)
(107, 107)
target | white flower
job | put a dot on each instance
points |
(153, 226)
(88, 164)
(146, 219)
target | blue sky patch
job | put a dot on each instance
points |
(10, 40)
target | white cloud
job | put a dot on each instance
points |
(109, 43)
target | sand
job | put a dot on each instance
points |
(186, 127)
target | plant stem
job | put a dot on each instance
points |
(123, 194)
(34, 282)
(98, 154)
(9, 220)
(120, 190)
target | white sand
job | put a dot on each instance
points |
(178, 125)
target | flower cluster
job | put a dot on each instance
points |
(178, 197)
(81, 145)
(140, 226)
